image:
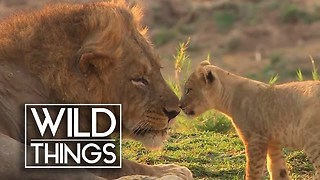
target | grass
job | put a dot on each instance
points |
(209, 154)
(299, 75)
(208, 145)
(214, 122)
(273, 79)
(224, 161)
(315, 74)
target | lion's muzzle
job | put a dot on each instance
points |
(171, 113)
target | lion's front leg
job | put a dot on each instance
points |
(163, 171)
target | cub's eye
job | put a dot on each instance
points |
(187, 91)
(140, 81)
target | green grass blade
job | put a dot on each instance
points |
(273, 79)
(315, 74)
(299, 75)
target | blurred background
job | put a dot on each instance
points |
(253, 38)
(258, 39)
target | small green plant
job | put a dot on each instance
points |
(292, 14)
(315, 74)
(299, 75)
(224, 20)
(181, 60)
(273, 79)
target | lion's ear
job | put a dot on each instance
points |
(87, 60)
(96, 53)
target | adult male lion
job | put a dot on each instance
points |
(82, 53)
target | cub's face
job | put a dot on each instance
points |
(194, 101)
(200, 90)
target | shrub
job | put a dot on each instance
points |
(224, 20)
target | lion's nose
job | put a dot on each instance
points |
(182, 106)
(171, 114)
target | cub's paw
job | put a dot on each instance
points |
(173, 172)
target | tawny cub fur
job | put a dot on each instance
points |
(267, 117)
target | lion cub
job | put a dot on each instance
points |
(267, 117)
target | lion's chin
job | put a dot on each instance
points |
(153, 139)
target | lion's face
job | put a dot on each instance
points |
(115, 64)
(200, 90)
(148, 103)
(127, 72)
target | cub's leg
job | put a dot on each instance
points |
(315, 159)
(276, 163)
(313, 152)
(256, 152)
(311, 141)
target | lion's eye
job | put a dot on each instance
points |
(188, 90)
(140, 81)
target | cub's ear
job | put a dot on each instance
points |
(206, 74)
(205, 63)
(209, 77)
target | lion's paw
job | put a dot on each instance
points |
(174, 172)
(142, 177)
(170, 177)
(137, 177)
(163, 172)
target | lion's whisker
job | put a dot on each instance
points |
(141, 127)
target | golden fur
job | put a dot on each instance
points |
(87, 53)
(267, 117)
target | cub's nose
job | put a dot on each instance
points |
(171, 113)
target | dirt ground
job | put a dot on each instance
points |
(253, 38)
